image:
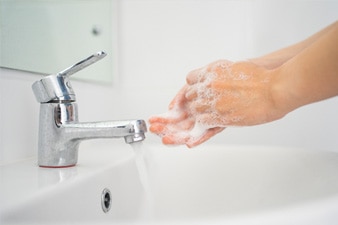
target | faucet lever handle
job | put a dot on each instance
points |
(82, 64)
(57, 87)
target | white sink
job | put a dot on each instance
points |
(206, 185)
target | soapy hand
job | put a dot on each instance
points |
(232, 94)
(226, 94)
(179, 126)
(216, 96)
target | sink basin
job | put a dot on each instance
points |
(210, 184)
(246, 185)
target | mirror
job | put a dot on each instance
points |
(47, 36)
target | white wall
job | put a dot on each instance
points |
(160, 41)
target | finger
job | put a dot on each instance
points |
(155, 119)
(192, 77)
(164, 120)
(196, 76)
(172, 128)
(172, 116)
(157, 128)
(184, 125)
(191, 93)
(179, 99)
(200, 106)
(174, 140)
(206, 136)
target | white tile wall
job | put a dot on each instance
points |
(160, 41)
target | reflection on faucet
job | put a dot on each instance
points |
(60, 131)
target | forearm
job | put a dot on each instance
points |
(279, 57)
(310, 76)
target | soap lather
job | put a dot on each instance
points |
(60, 131)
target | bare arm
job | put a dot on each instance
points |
(279, 57)
(249, 93)
(310, 76)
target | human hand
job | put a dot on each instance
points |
(232, 94)
(219, 95)
(178, 126)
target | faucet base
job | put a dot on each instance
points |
(57, 167)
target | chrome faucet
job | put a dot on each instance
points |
(60, 131)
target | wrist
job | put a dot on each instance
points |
(273, 60)
(282, 90)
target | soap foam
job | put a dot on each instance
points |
(198, 131)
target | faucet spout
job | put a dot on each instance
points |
(131, 130)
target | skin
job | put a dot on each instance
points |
(252, 92)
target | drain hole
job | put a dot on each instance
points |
(106, 200)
